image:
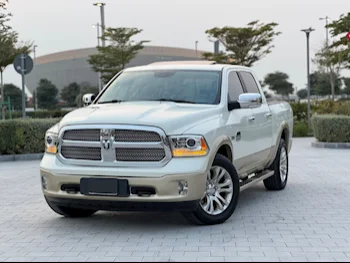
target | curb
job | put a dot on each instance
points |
(21, 157)
(331, 145)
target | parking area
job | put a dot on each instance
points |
(308, 221)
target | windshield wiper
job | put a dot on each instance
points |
(110, 101)
(177, 101)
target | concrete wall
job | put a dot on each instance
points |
(63, 72)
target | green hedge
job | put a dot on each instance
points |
(300, 129)
(40, 114)
(24, 136)
(331, 128)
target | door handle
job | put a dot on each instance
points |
(238, 136)
(268, 115)
(251, 118)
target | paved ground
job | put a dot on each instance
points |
(308, 221)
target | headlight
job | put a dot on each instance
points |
(188, 145)
(51, 140)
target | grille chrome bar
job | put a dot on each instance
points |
(82, 143)
(118, 146)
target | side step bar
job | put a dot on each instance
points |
(255, 179)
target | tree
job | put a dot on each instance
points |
(15, 95)
(85, 88)
(320, 84)
(278, 82)
(347, 86)
(328, 61)
(10, 46)
(244, 45)
(302, 94)
(339, 29)
(70, 93)
(47, 94)
(121, 50)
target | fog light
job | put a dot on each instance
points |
(44, 182)
(183, 188)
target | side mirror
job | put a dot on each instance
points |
(88, 99)
(250, 100)
(246, 101)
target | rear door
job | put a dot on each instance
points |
(262, 124)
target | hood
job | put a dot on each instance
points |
(171, 117)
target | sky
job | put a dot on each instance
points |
(58, 25)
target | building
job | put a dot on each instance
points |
(63, 68)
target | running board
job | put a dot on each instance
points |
(255, 179)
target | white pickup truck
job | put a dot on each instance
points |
(168, 136)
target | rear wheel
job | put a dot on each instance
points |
(280, 165)
(221, 194)
(69, 211)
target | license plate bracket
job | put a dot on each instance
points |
(104, 187)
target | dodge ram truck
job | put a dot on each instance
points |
(182, 136)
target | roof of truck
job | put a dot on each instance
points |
(186, 65)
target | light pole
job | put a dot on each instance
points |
(98, 44)
(326, 18)
(196, 44)
(307, 32)
(102, 10)
(36, 91)
(98, 33)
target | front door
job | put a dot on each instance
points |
(239, 126)
(262, 122)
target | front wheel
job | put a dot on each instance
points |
(221, 194)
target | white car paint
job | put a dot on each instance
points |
(258, 138)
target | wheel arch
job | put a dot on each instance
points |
(285, 134)
(222, 145)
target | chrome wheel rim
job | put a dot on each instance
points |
(283, 164)
(219, 191)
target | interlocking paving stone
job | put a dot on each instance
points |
(308, 221)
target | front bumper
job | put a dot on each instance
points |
(124, 206)
(166, 185)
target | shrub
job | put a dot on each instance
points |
(24, 136)
(299, 111)
(40, 114)
(331, 128)
(332, 107)
(300, 129)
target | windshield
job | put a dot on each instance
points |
(186, 86)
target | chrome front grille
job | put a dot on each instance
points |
(136, 136)
(82, 153)
(139, 154)
(114, 145)
(92, 135)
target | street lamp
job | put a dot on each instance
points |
(196, 49)
(98, 33)
(307, 32)
(326, 18)
(98, 44)
(36, 89)
(102, 5)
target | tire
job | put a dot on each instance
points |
(69, 211)
(279, 180)
(217, 215)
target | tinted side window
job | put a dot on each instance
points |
(249, 82)
(234, 87)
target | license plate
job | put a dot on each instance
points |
(104, 187)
